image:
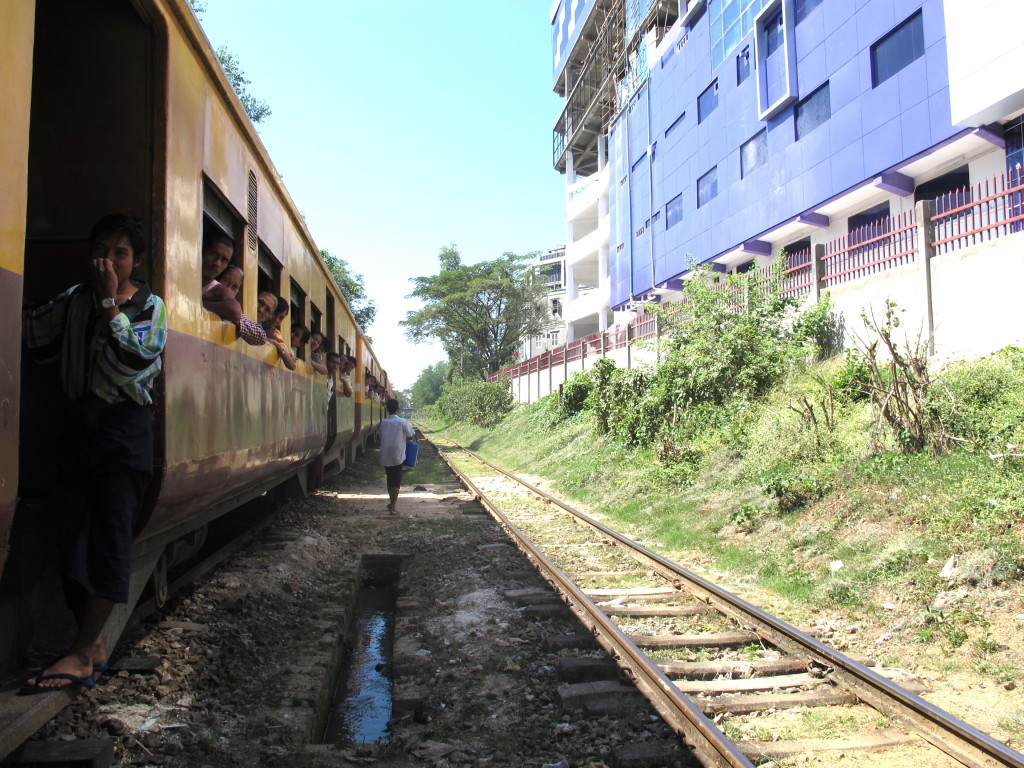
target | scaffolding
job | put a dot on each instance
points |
(612, 71)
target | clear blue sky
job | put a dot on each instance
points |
(402, 127)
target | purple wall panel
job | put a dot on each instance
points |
(883, 147)
(869, 131)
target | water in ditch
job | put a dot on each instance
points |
(362, 702)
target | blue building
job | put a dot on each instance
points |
(722, 131)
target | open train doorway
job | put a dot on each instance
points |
(95, 147)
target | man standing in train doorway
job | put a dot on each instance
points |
(108, 335)
(395, 432)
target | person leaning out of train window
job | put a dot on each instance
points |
(272, 310)
(346, 364)
(107, 336)
(218, 249)
(250, 332)
(317, 350)
(333, 364)
(300, 337)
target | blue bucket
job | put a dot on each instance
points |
(411, 451)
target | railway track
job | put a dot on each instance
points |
(22, 716)
(727, 676)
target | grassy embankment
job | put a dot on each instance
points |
(816, 514)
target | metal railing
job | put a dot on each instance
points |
(995, 209)
(873, 248)
(990, 209)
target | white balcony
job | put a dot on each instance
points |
(582, 197)
(588, 302)
(587, 247)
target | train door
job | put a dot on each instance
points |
(95, 145)
(16, 41)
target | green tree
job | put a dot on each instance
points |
(427, 387)
(352, 288)
(479, 312)
(257, 109)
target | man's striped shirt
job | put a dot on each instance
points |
(116, 360)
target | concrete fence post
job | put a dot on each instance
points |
(925, 239)
(657, 339)
(818, 271)
(629, 345)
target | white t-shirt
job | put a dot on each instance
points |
(393, 433)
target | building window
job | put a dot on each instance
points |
(675, 124)
(868, 224)
(743, 65)
(813, 111)
(774, 33)
(742, 269)
(797, 253)
(754, 153)
(775, 60)
(731, 21)
(707, 102)
(707, 187)
(1013, 133)
(897, 49)
(801, 8)
(949, 191)
(674, 211)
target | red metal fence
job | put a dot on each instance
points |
(990, 209)
(870, 249)
(995, 209)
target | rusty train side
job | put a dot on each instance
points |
(121, 105)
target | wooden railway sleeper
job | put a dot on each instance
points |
(957, 739)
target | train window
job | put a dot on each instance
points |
(315, 318)
(219, 219)
(328, 329)
(298, 302)
(269, 278)
(217, 212)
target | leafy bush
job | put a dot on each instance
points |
(794, 492)
(853, 379)
(473, 401)
(574, 395)
(982, 402)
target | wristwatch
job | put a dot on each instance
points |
(109, 303)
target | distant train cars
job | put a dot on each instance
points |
(121, 105)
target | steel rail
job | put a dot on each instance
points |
(696, 730)
(958, 739)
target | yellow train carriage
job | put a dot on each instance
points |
(121, 105)
(16, 36)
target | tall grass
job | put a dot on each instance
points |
(778, 501)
